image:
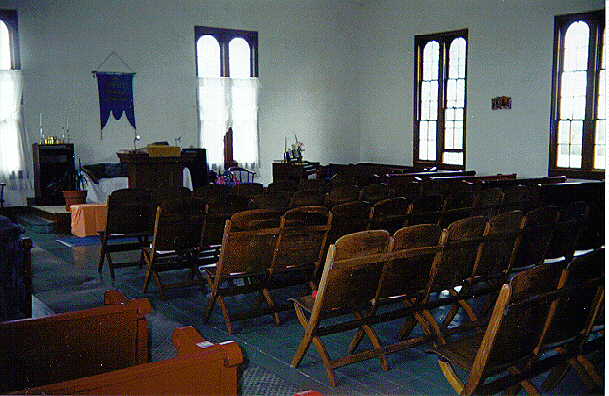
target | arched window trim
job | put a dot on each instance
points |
(596, 24)
(224, 37)
(9, 17)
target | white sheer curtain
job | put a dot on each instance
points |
(229, 102)
(14, 163)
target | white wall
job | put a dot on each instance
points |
(305, 59)
(510, 54)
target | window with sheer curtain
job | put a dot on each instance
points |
(13, 162)
(227, 70)
(577, 127)
(439, 122)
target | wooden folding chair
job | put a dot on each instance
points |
(515, 198)
(510, 341)
(246, 253)
(374, 193)
(317, 185)
(389, 214)
(248, 189)
(340, 194)
(425, 210)
(453, 264)
(492, 264)
(306, 198)
(573, 317)
(169, 194)
(536, 236)
(175, 244)
(284, 185)
(457, 205)
(216, 214)
(130, 214)
(298, 249)
(403, 280)
(279, 200)
(345, 288)
(487, 202)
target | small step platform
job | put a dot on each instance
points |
(47, 219)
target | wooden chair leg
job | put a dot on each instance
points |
(590, 370)
(305, 343)
(591, 382)
(452, 377)
(226, 314)
(102, 254)
(159, 284)
(148, 274)
(374, 339)
(359, 336)
(211, 303)
(325, 358)
(269, 300)
(556, 375)
(526, 384)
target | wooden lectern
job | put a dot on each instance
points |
(152, 173)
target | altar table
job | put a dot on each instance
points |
(88, 219)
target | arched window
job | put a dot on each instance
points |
(577, 128)
(208, 56)
(439, 130)
(239, 58)
(227, 68)
(5, 47)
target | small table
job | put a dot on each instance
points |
(88, 219)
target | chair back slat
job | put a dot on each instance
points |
(523, 318)
(374, 193)
(495, 255)
(389, 214)
(454, 263)
(349, 286)
(306, 198)
(246, 251)
(409, 276)
(487, 202)
(348, 218)
(340, 194)
(425, 210)
(271, 200)
(248, 189)
(572, 313)
(217, 213)
(457, 205)
(178, 225)
(538, 227)
(130, 211)
(302, 235)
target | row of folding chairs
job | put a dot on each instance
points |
(254, 246)
(471, 258)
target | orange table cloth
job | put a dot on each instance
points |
(88, 219)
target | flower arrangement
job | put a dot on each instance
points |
(295, 151)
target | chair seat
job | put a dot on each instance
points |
(461, 352)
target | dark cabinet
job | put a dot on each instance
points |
(53, 172)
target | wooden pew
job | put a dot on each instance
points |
(104, 350)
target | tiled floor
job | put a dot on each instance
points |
(67, 279)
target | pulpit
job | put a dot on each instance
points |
(152, 173)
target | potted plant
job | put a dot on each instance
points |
(75, 178)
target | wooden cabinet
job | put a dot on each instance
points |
(293, 171)
(53, 172)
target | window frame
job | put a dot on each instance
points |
(224, 37)
(444, 39)
(596, 24)
(9, 17)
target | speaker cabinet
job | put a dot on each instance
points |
(53, 172)
(196, 161)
